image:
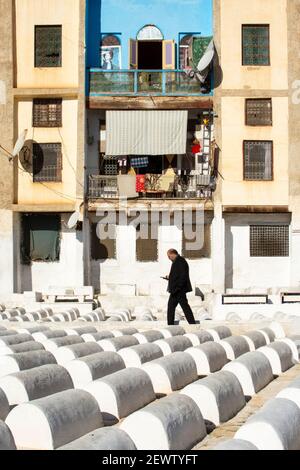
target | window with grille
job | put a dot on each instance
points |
(48, 46)
(47, 112)
(146, 245)
(205, 251)
(102, 249)
(269, 240)
(256, 44)
(258, 160)
(259, 112)
(47, 162)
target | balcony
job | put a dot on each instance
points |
(194, 186)
(144, 83)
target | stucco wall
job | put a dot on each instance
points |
(146, 276)
(67, 272)
(234, 14)
(47, 12)
(7, 141)
(243, 271)
(36, 193)
(235, 190)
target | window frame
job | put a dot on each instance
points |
(59, 166)
(25, 239)
(207, 246)
(244, 162)
(48, 124)
(269, 44)
(270, 225)
(137, 229)
(247, 100)
(93, 236)
(59, 65)
(112, 47)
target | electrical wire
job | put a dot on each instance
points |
(66, 155)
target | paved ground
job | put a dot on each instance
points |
(228, 430)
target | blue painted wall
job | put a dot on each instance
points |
(129, 16)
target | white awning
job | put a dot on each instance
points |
(146, 132)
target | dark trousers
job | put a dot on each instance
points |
(182, 300)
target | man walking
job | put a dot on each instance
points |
(179, 285)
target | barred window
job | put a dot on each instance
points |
(102, 249)
(269, 240)
(205, 251)
(48, 46)
(47, 112)
(256, 44)
(146, 248)
(258, 160)
(259, 112)
(47, 162)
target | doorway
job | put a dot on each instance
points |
(150, 55)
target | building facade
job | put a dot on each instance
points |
(128, 115)
(44, 99)
(149, 141)
(256, 131)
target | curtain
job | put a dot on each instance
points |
(41, 237)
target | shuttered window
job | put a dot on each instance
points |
(146, 245)
(197, 253)
(102, 249)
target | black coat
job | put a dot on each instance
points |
(179, 279)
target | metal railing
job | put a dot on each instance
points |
(143, 82)
(192, 187)
(103, 186)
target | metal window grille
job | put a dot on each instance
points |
(102, 249)
(103, 186)
(47, 162)
(259, 112)
(48, 46)
(110, 166)
(205, 252)
(146, 249)
(47, 112)
(258, 160)
(269, 240)
(256, 44)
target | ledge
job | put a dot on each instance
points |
(46, 92)
(150, 102)
(256, 209)
(43, 207)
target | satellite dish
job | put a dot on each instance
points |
(208, 56)
(20, 143)
(73, 220)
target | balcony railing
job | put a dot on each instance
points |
(191, 187)
(143, 83)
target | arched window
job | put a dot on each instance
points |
(150, 32)
(110, 52)
(110, 40)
